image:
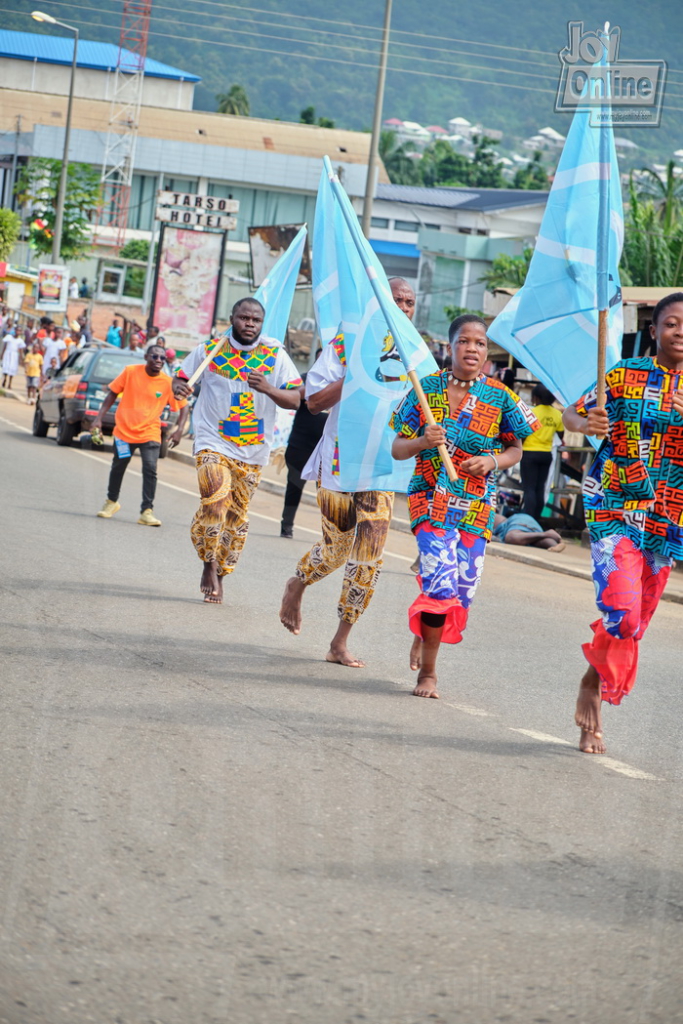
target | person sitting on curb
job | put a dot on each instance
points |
(519, 528)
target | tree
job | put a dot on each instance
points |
(234, 101)
(442, 165)
(402, 168)
(486, 173)
(653, 252)
(307, 116)
(136, 249)
(38, 184)
(10, 226)
(533, 176)
(666, 193)
(508, 271)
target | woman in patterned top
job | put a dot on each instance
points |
(633, 497)
(483, 424)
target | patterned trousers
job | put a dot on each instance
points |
(355, 528)
(220, 525)
(451, 564)
(628, 586)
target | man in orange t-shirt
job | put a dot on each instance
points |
(144, 394)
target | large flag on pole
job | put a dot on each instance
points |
(551, 324)
(375, 380)
(276, 294)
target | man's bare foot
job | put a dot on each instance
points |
(588, 714)
(426, 686)
(211, 584)
(341, 655)
(290, 609)
(416, 654)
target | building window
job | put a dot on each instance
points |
(434, 227)
(465, 231)
(379, 222)
(406, 225)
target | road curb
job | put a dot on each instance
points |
(6, 393)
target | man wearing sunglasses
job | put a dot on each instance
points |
(144, 393)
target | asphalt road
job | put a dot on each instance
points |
(202, 822)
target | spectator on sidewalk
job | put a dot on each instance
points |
(12, 349)
(522, 529)
(537, 451)
(33, 366)
(54, 348)
(114, 334)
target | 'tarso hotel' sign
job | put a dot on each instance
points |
(189, 210)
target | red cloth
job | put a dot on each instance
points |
(456, 616)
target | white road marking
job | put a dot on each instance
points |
(606, 762)
(193, 494)
(542, 737)
(468, 709)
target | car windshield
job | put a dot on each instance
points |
(110, 365)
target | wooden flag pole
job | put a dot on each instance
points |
(429, 416)
(602, 248)
(205, 362)
(359, 241)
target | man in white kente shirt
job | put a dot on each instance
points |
(234, 418)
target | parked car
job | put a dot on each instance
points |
(72, 398)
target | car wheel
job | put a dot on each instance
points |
(65, 431)
(40, 426)
(163, 450)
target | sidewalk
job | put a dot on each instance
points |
(573, 561)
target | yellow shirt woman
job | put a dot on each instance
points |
(550, 419)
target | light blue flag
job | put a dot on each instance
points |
(376, 379)
(551, 324)
(276, 294)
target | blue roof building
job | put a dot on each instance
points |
(55, 49)
(41, 63)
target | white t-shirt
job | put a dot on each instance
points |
(52, 350)
(323, 464)
(230, 418)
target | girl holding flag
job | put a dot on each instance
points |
(633, 499)
(482, 423)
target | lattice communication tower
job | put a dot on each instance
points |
(124, 118)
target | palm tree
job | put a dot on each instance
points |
(235, 101)
(666, 192)
(402, 168)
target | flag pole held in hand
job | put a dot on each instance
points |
(388, 307)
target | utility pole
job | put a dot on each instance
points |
(376, 124)
(12, 199)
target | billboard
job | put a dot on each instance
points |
(267, 244)
(53, 287)
(187, 283)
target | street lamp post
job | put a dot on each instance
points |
(61, 193)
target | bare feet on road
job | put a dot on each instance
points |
(211, 584)
(588, 715)
(290, 609)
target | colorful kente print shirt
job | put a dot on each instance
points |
(329, 367)
(635, 485)
(228, 417)
(487, 420)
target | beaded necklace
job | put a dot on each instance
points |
(461, 383)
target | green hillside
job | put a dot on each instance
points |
(495, 63)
